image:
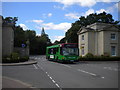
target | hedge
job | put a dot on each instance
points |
(90, 57)
(14, 58)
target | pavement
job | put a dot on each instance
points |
(20, 63)
(8, 82)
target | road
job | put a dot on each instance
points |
(48, 74)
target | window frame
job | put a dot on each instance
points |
(113, 51)
(83, 51)
(113, 36)
(83, 37)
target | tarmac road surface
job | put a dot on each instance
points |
(48, 74)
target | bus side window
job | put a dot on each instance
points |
(61, 51)
(54, 50)
(49, 51)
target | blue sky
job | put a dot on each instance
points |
(56, 17)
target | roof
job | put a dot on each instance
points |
(54, 46)
(99, 27)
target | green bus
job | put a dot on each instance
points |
(66, 52)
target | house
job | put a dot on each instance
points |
(99, 39)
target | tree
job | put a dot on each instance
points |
(44, 42)
(71, 35)
(11, 20)
(37, 44)
(56, 42)
(19, 36)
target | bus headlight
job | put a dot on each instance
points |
(63, 58)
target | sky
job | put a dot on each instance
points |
(55, 16)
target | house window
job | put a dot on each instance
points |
(113, 36)
(113, 50)
(82, 37)
(82, 51)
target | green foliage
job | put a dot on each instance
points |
(14, 58)
(23, 59)
(71, 35)
(56, 42)
(10, 20)
(37, 44)
(19, 36)
(89, 55)
(6, 59)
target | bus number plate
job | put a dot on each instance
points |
(51, 56)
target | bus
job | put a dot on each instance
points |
(66, 52)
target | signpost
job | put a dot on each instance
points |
(23, 45)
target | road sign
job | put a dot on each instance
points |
(23, 45)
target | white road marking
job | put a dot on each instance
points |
(103, 77)
(87, 72)
(35, 66)
(110, 68)
(66, 65)
(53, 81)
(46, 72)
(57, 85)
(50, 77)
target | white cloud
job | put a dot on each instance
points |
(61, 26)
(35, 21)
(49, 14)
(23, 26)
(107, 0)
(72, 15)
(83, 3)
(50, 0)
(101, 11)
(107, 10)
(38, 34)
(58, 38)
(90, 11)
(57, 7)
(87, 3)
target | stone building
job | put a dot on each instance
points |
(7, 38)
(99, 39)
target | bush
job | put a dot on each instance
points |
(6, 59)
(23, 59)
(15, 57)
(89, 55)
